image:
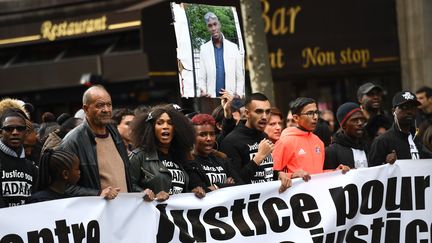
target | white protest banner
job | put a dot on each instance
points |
(390, 203)
(85, 219)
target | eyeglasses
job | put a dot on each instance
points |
(311, 114)
(12, 128)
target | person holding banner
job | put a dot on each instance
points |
(221, 65)
(18, 175)
(349, 145)
(104, 162)
(299, 152)
(210, 169)
(400, 141)
(163, 138)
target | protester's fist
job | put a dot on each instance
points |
(110, 193)
(343, 168)
(391, 157)
(148, 195)
(199, 192)
(230, 180)
(161, 196)
(265, 147)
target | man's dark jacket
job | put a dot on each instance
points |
(392, 139)
(81, 141)
(340, 151)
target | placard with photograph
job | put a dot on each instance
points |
(210, 50)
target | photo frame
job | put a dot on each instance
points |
(202, 67)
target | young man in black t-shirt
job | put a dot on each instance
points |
(17, 174)
(247, 145)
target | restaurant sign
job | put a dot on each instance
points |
(53, 30)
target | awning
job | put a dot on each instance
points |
(54, 53)
(120, 67)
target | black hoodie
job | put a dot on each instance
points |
(340, 151)
(241, 145)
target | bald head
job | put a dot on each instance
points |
(90, 92)
(97, 106)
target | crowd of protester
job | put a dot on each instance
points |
(161, 151)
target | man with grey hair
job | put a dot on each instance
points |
(221, 65)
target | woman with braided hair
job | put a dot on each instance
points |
(57, 169)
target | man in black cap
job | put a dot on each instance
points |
(399, 142)
(349, 146)
(370, 97)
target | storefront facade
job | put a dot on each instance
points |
(327, 49)
(47, 59)
(323, 50)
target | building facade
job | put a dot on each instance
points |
(325, 50)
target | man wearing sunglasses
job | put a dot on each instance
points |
(17, 174)
(299, 152)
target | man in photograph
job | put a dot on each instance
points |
(221, 65)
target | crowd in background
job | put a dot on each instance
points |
(163, 150)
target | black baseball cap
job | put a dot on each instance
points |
(366, 88)
(403, 97)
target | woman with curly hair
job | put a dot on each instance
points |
(210, 168)
(164, 138)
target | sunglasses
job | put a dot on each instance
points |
(12, 128)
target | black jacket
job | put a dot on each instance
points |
(392, 139)
(227, 126)
(241, 145)
(81, 141)
(426, 152)
(198, 176)
(147, 171)
(375, 122)
(339, 152)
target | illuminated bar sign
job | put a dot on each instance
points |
(332, 35)
(53, 30)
